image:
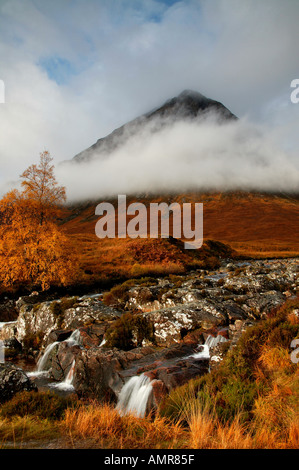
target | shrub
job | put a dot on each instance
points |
(46, 405)
(119, 294)
(129, 331)
(59, 307)
(33, 341)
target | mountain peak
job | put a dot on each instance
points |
(187, 105)
(191, 94)
(190, 104)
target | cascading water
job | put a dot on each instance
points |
(211, 342)
(67, 384)
(73, 340)
(43, 359)
(134, 395)
(203, 354)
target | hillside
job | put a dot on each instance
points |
(252, 225)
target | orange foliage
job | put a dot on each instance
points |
(42, 189)
(32, 249)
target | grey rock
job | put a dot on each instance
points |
(13, 380)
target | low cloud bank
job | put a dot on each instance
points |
(182, 156)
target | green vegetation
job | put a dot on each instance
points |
(45, 405)
(247, 374)
(129, 331)
(119, 294)
(59, 307)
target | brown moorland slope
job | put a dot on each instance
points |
(253, 225)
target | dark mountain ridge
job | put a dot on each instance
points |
(188, 105)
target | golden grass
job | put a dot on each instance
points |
(255, 225)
(274, 426)
(104, 425)
(17, 431)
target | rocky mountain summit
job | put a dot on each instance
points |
(191, 321)
(188, 105)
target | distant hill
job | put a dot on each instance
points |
(250, 225)
(189, 105)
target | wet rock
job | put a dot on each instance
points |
(160, 391)
(62, 360)
(12, 381)
(8, 311)
(8, 330)
(58, 335)
(237, 329)
(12, 344)
(259, 305)
(35, 319)
(171, 324)
(101, 373)
(97, 371)
(93, 335)
(88, 311)
(43, 318)
(233, 311)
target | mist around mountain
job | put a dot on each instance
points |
(187, 106)
(190, 143)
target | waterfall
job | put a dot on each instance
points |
(134, 395)
(43, 359)
(73, 340)
(67, 384)
(203, 354)
(213, 341)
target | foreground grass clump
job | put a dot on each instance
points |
(106, 427)
(119, 294)
(20, 432)
(45, 405)
(33, 416)
(254, 391)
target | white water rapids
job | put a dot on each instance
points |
(73, 340)
(135, 394)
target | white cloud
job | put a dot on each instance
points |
(185, 155)
(130, 56)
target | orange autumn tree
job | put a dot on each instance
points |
(33, 250)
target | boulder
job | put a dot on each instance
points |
(8, 330)
(261, 304)
(8, 311)
(172, 324)
(160, 391)
(62, 360)
(98, 371)
(35, 319)
(13, 380)
(89, 310)
(43, 318)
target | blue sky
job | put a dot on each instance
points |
(74, 70)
